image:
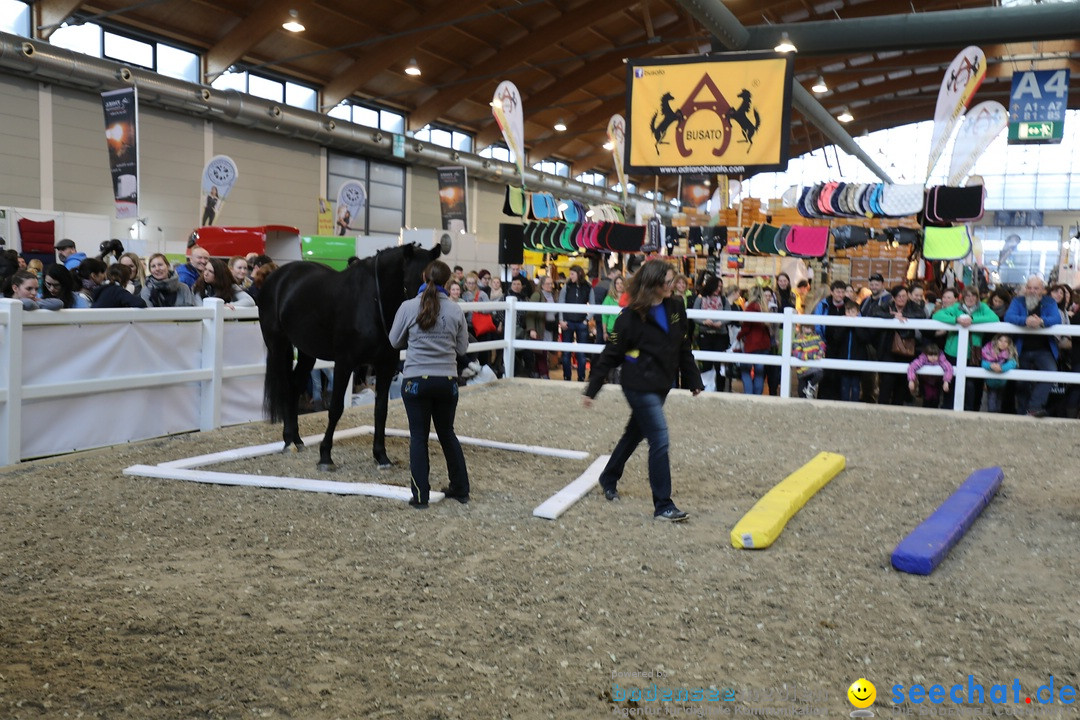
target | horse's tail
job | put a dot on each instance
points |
(652, 123)
(757, 119)
(279, 366)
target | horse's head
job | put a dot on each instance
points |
(415, 259)
(667, 97)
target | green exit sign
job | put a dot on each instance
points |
(1036, 132)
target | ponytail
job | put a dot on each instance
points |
(436, 274)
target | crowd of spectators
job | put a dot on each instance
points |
(117, 279)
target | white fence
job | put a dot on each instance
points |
(79, 379)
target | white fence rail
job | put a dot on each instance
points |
(79, 379)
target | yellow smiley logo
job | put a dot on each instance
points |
(862, 693)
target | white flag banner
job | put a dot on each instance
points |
(351, 198)
(980, 126)
(616, 135)
(218, 178)
(962, 79)
(506, 107)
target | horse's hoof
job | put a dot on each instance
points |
(384, 465)
(327, 467)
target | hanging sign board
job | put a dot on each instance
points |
(726, 113)
(1037, 105)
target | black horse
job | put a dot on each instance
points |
(340, 316)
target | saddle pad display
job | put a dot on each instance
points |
(952, 243)
(37, 236)
(901, 200)
(514, 204)
(809, 242)
(543, 207)
(949, 204)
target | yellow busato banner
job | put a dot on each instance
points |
(726, 113)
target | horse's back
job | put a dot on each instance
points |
(301, 301)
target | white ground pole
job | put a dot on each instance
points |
(558, 503)
(184, 469)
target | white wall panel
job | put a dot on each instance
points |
(278, 179)
(81, 178)
(19, 148)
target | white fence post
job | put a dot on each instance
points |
(213, 350)
(963, 351)
(11, 382)
(510, 335)
(788, 330)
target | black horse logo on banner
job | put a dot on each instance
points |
(741, 115)
(659, 130)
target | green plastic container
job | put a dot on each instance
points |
(332, 250)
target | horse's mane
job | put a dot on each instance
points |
(369, 262)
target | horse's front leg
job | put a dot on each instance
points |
(342, 383)
(384, 373)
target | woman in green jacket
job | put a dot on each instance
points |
(969, 311)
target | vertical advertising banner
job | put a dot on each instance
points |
(962, 78)
(351, 199)
(122, 137)
(453, 199)
(981, 125)
(616, 135)
(324, 219)
(725, 114)
(506, 107)
(694, 192)
(218, 178)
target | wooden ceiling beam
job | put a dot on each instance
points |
(249, 32)
(591, 121)
(593, 69)
(382, 56)
(515, 53)
(50, 13)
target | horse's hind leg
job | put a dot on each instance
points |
(297, 383)
(342, 384)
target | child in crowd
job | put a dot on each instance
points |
(998, 356)
(931, 386)
(808, 345)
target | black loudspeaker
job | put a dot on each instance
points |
(511, 244)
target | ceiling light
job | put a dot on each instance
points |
(820, 86)
(785, 45)
(293, 24)
(608, 145)
(845, 115)
(412, 68)
(560, 126)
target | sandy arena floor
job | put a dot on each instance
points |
(126, 597)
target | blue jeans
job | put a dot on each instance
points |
(753, 385)
(579, 332)
(647, 422)
(1032, 396)
(850, 385)
(435, 399)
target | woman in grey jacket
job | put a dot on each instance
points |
(434, 328)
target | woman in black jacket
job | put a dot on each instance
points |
(651, 342)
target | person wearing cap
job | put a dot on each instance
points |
(66, 251)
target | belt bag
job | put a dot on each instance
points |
(848, 236)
